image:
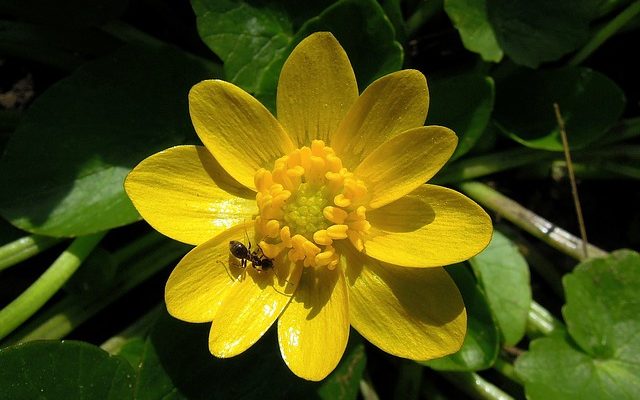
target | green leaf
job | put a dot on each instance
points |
(463, 103)
(254, 38)
(471, 20)
(363, 29)
(601, 359)
(533, 32)
(177, 365)
(247, 35)
(393, 10)
(504, 275)
(590, 104)
(133, 351)
(63, 370)
(555, 369)
(68, 13)
(86, 132)
(603, 309)
(480, 347)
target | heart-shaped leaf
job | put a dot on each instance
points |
(177, 364)
(590, 103)
(504, 275)
(601, 358)
(533, 32)
(463, 103)
(254, 38)
(472, 22)
(63, 370)
(87, 131)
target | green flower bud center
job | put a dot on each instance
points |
(303, 210)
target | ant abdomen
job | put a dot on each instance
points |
(238, 250)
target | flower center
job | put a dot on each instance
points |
(303, 210)
(308, 201)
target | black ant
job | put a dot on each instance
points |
(257, 258)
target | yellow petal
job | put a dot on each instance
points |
(239, 131)
(411, 313)
(392, 104)
(314, 328)
(184, 194)
(430, 227)
(251, 306)
(316, 88)
(405, 162)
(201, 280)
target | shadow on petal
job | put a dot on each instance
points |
(416, 293)
(316, 286)
(220, 176)
(393, 217)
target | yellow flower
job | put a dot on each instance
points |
(333, 193)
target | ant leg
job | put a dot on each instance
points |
(227, 271)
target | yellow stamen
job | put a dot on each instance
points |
(308, 201)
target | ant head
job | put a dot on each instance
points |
(267, 263)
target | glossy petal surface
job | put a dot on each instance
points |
(184, 194)
(317, 87)
(392, 104)
(430, 227)
(239, 131)
(405, 162)
(314, 329)
(201, 280)
(411, 313)
(251, 306)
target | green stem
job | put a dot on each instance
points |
(527, 220)
(475, 386)
(507, 370)
(476, 167)
(129, 34)
(622, 169)
(426, 10)
(621, 152)
(367, 390)
(625, 129)
(32, 299)
(138, 329)
(63, 317)
(606, 32)
(23, 248)
(541, 322)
